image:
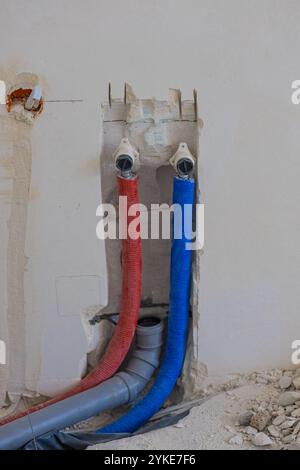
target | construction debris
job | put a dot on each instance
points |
(245, 418)
(261, 439)
(276, 415)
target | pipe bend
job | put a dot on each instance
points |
(123, 388)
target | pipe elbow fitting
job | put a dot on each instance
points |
(126, 159)
(145, 359)
(183, 161)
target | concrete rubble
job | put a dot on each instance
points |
(271, 420)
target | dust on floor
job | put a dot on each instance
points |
(209, 426)
(262, 414)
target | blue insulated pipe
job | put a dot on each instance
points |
(183, 194)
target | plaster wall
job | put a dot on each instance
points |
(242, 58)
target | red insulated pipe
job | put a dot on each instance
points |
(130, 304)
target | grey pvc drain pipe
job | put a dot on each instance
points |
(123, 388)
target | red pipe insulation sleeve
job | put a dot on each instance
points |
(129, 310)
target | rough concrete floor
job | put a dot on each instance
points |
(208, 426)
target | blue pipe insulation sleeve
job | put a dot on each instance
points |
(183, 194)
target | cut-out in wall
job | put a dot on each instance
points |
(24, 97)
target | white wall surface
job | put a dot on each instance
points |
(242, 57)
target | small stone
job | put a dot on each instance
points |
(285, 432)
(287, 424)
(279, 420)
(285, 382)
(236, 440)
(296, 428)
(287, 439)
(251, 431)
(296, 413)
(179, 425)
(273, 431)
(288, 398)
(263, 405)
(260, 420)
(296, 383)
(261, 439)
(293, 446)
(277, 446)
(245, 418)
(262, 379)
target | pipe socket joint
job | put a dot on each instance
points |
(145, 358)
(126, 159)
(183, 161)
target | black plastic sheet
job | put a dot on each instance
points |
(61, 440)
